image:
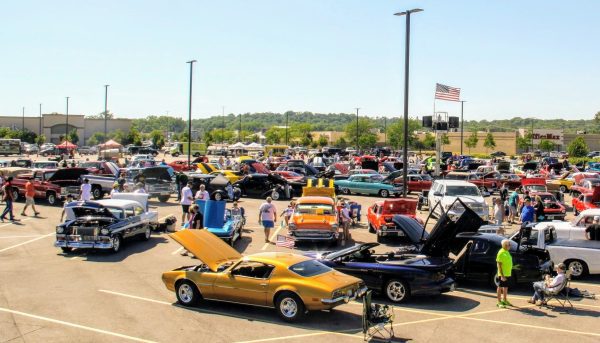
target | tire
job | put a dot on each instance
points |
(175, 154)
(117, 241)
(345, 191)
(563, 189)
(396, 291)
(289, 307)
(275, 195)
(97, 193)
(384, 193)
(187, 293)
(578, 268)
(147, 233)
(482, 189)
(51, 197)
(218, 196)
(164, 198)
(371, 228)
(66, 249)
(380, 239)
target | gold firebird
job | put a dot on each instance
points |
(292, 284)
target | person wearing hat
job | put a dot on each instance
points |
(85, 190)
(187, 197)
(550, 284)
(592, 232)
(139, 188)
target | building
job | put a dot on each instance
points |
(54, 125)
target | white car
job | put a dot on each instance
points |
(446, 192)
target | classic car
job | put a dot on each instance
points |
(51, 184)
(264, 185)
(485, 182)
(372, 184)
(100, 167)
(231, 175)
(219, 221)
(586, 201)
(13, 171)
(533, 184)
(159, 181)
(512, 181)
(290, 175)
(380, 217)
(593, 167)
(443, 195)
(565, 181)
(575, 228)
(45, 165)
(585, 186)
(315, 216)
(218, 186)
(105, 224)
(553, 209)
(182, 166)
(290, 283)
(355, 172)
(416, 182)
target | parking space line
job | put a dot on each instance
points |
(77, 326)
(20, 221)
(272, 238)
(318, 333)
(9, 237)
(177, 251)
(534, 326)
(27, 242)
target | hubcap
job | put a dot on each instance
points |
(384, 193)
(218, 196)
(185, 293)
(576, 268)
(147, 233)
(288, 307)
(396, 291)
(116, 243)
(275, 195)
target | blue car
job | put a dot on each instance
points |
(593, 167)
(370, 184)
(220, 221)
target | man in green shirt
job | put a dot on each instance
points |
(504, 262)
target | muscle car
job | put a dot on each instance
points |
(51, 184)
(534, 184)
(182, 166)
(553, 209)
(315, 217)
(290, 283)
(380, 217)
(585, 186)
(371, 184)
(105, 224)
(586, 201)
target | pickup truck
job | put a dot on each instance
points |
(581, 256)
(51, 184)
(485, 183)
(102, 168)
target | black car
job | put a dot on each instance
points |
(264, 185)
(215, 185)
(159, 181)
(498, 154)
(142, 150)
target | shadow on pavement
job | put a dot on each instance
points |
(130, 247)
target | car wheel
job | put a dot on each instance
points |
(218, 196)
(51, 197)
(380, 239)
(345, 191)
(482, 189)
(164, 198)
(563, 189)
(397, 291)
(384, 193)
(187, 293)
(371, 228)
(66, 249)
(117, 241)
(578, 268)
(289, 307)
(97, 193)
(275, 195)
(147, 233)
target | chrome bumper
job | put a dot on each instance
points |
(344, 298)
(62, 242)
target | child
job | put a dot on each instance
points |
(69, 200)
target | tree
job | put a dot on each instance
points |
(323, 141)
(41, 139)
(96, 138)
(444, 140)
(523, 142)
(301, 132)
(578, 148)
(132, 137)
(489, 142)
(396, 132)
(341, 143)
(597, 117)
(275, 135)
(314, 145)
(109, 115)
(366, 138)
(546, 145)
(429, 141)
(472, 141)
(73, 137)
(158, 139)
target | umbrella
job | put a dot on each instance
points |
(66, 145)
(111, 144)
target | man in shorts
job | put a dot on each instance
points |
(267, 216)
(187, 197)
(29, 201)
(505, 264)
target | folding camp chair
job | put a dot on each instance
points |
(562, 293)
(377, 319)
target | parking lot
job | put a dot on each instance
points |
(93, 296)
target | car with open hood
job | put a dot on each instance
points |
(380, 216)
(218, 186)
(260, 186)
(51, 184)
(586, 201)
(585, 186)
(534, 184)
(315, 217)
(290, 283)
(220, 221)
(553, 209)
(369, 184)
(105, 224)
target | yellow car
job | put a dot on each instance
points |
(563, 183)
(292, 284)
(231, 175)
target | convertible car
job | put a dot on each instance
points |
(219, 221)
(371, 184)
(292, 284)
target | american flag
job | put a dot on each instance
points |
(444, 92)
(285, 241)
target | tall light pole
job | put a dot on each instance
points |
(462, 125)
(532, 134)
(40, 129)
(357, 145)
(190, 114)
(23, 120)
(406, 70)
(67, 126)
(240, 130)
(223, 126)
(105, 110)
(286, 127)
(385, 129)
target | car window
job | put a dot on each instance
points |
(462, 191)
(480, 247)
(138, 211)
(317, 209)
(116, 212)
(252, 269)
(309, 268)
(129, 212)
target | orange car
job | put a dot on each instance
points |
(315, 216)
(381, 213)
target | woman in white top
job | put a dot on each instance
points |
(202, 194)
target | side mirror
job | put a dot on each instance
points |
(438, 194)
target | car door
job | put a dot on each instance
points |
(372, 216)
(132, 222)
(369, 272)
(246, 283)
(578, 203)
(481, 259)
(355, 184)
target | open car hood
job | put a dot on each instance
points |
(81, 209)
(68, 174)
(206, 247)
(503, 167)
(348, 251)
(445, 230)
(412, 229)
(399, 206)
(578, 177)
(533, 181)
(160, 173)
(393, 175)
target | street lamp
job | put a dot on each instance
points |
(240, 130)
(357, 146)
(462, 124)
(40, 130)
(532, 133)
(67, 126)
(190, 114)
(286, 127)
(406, 70)
(223, 127)
(105, 109)
(23, 120)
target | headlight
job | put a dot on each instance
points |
(60, 229)
(104, 232)
(336, 294)
(292, 226)
(383, 227)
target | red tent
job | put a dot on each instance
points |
(66, 145)
(110, 144)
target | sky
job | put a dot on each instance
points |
(510, 58)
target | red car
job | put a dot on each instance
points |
(182, 166)
(416, 182)
(553, 209)
(534, 184)
(289, 175)
(100, 167)
(586, 201)
(380, 216)
(50, 184)
(585, 186)
(484, 183)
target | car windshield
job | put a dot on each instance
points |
(462, 191)
(309, 268)
(548, 198)
(319, 209)
(115, 211)
(89, 165)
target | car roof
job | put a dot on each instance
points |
(314, 199)
(455, 183)
(117, 202)
(280, 259)
(366, 175)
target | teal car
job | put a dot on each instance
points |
(371, 184)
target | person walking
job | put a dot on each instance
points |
(202, 194)
(267, 216)
(498, 211)
(85, 190)
(195, 222)
(8, 201)
(592, 232)
(288, 212)
(513, 202)
(505, 264)
(187, 197)
(29, 198)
